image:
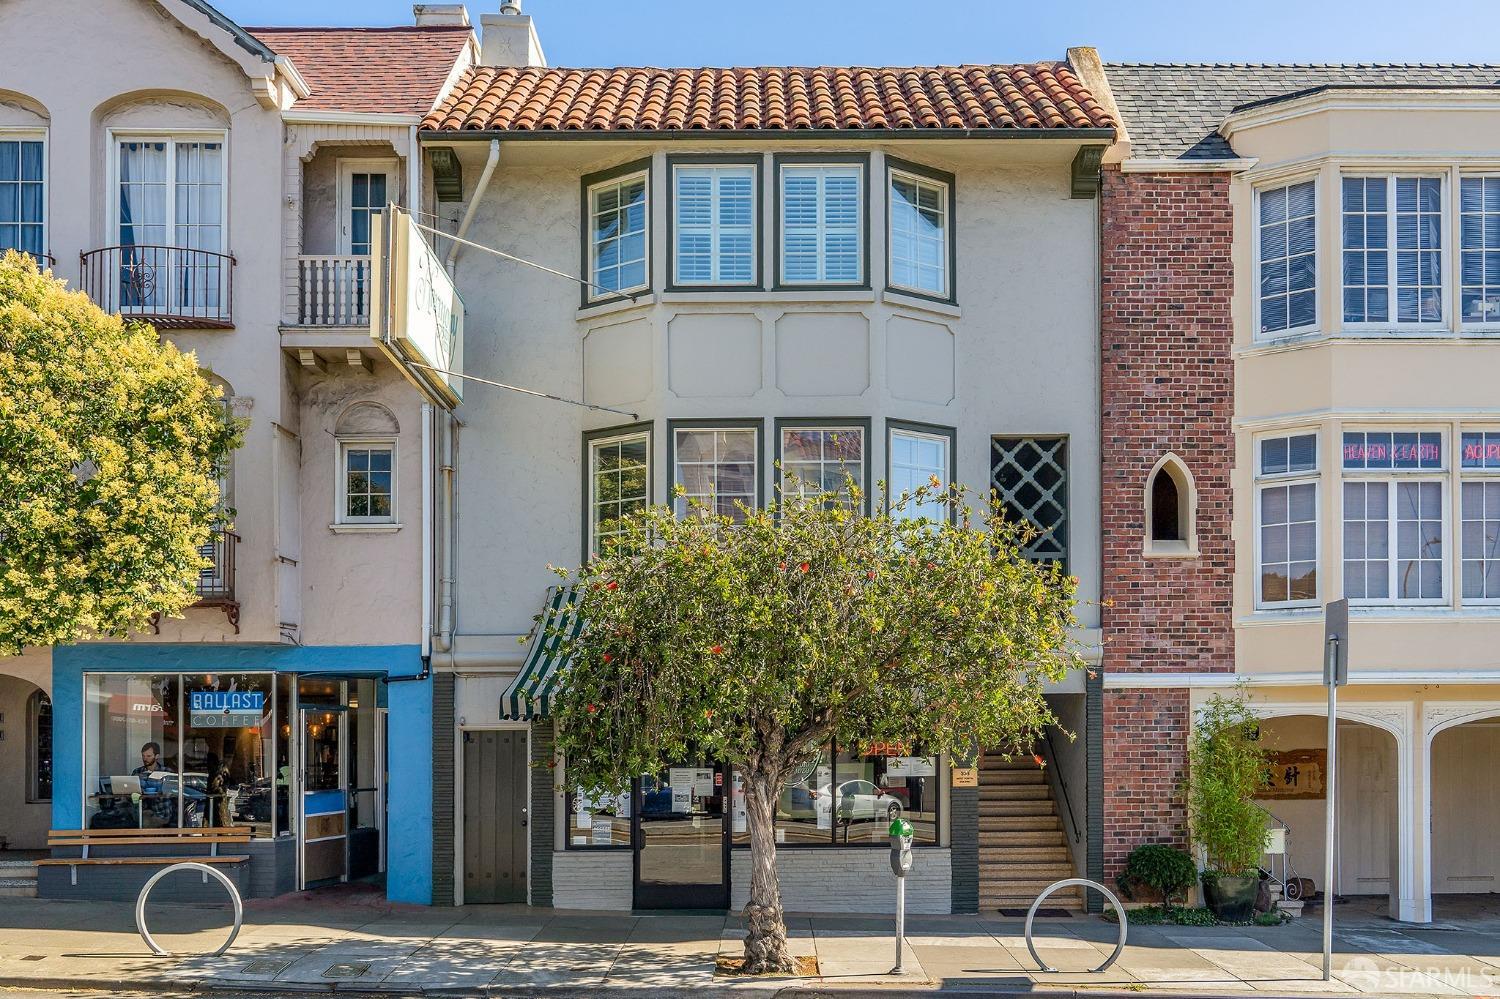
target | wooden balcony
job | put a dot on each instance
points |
(170, 287)
(333, 291)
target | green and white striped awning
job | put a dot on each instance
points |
(530, 693)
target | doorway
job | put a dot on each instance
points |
(324, 834)
(495, 816)
(681, 838)
(341, 778)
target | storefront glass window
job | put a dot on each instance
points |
(599, 819)
(131, 758)
(881, 782)
(281, 780)
(226, 751)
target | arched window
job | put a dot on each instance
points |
(1171, 503)
(39, 747)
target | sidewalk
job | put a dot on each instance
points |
(351, 939)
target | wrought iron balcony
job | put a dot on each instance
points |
(333, 290)
(44, 261)
(170, 287)
(216, 580)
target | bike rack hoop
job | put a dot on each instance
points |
(140, 904)
(1067, 883)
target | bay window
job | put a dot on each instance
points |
(1479, 250)
(1286, 504)
(1392, 234)
(717, 467)
(1479, 510)
(619, 483)
(820, 458)
(616, 206)
(23, 201)
(920, 230)
(714, 224)
(1287, 255)
(1393, 517)
(821, 213)
(916, 456)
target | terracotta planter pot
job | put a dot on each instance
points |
(1232, 899)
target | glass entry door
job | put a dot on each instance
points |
(324, 834)
(681, 838)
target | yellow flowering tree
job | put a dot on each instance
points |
(755, 638)
(109, 443)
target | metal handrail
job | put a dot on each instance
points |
(176, 287)
(44, 261)
(216, 583)
(1062, 783)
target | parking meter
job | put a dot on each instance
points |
(900, 836)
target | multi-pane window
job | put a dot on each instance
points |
(22, 196)
(171, 200)
(919, 459)
(619, 485)
(1479, 509)
(368, 486)
(1288, 258)
(822, 224)
(1393, 516)
(919, 234)
(1287, 519)
(617, 235)
(1030, 476)
(713, 219)
(821, 460)
(366, 199)
(717, 469)
(1393, 249)
(1479, 250)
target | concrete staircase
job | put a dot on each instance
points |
(17, 879)
(1023, 846)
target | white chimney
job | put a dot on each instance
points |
(509, 38)
(444, 15)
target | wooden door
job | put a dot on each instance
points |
(495, 814)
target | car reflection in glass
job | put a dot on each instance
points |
(859, 799)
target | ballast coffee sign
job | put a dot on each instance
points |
(225, 708)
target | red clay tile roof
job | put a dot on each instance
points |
(1040, 96)
(376, 70)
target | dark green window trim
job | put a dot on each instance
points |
(831, 423)
(757, 227)
(746, 423)
(895, 166)
(815, 159)
(931, 430)
(585, 229)
(590, 438)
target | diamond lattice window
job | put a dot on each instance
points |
(1030, 475)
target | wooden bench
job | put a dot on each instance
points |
(87, 839)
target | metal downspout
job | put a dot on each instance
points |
(474, 200)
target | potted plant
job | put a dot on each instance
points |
(1165, 870)
(1227, 768)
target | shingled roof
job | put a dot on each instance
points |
(1032, 97)
(397, 70)
(1173, 110)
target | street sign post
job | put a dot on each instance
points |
(1335, 675)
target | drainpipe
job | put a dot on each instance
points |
(484, 183)
(429, 528)
(442, 642)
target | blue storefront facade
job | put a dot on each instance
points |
(322, 752)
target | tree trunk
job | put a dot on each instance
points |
(765, 942)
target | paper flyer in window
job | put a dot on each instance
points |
(680, 779)
(741, 818)
(824, 801)
(911, 766)
(603, 832)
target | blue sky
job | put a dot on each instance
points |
(915, 32)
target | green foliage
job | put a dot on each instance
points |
(754, 638)
(1273, 918)
(1227, 768)
(1166, 870)
(1164, 915)
(109, 440)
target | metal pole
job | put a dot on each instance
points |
(900, 922)
(1330, 783)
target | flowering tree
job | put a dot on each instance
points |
(754, 639)
(109, 441)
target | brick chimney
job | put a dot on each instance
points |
(509, 38)
(440, 15)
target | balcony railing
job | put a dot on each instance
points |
(44, 261)
(216, 580)
(333, 291)
(171, 287)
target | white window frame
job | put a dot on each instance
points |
(752, 427)
(1489, 326)
(714, 169)
(861, 223)
(591, 491)
(342, 521)
(1317, 289)
(594, 291)
(347, 169)
(945, 192)
(38, 135)
(1465, 475)
(1300, 477)
(1390, 477)
(829, 427)
(891, 433)
(1446, 252)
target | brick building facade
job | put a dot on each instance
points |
(1167, 385)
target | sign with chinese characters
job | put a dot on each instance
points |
(225, 708)
(1297, 773)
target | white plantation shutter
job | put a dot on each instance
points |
(821, 218)
(714, 214)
